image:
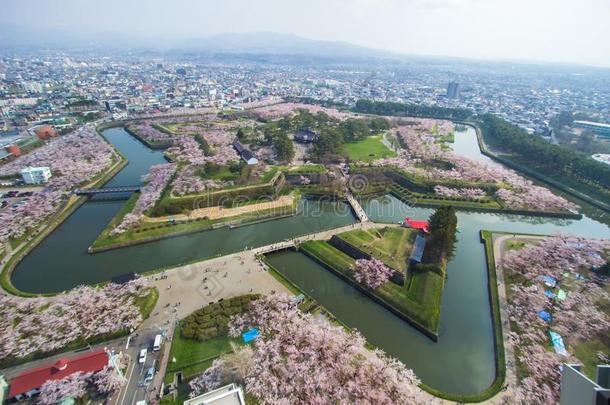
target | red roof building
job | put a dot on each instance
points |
(421, 225)
(45, 132)
(33, 379)
(14, 150)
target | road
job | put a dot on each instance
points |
(499, 249)
(183, 290)
(137, 389)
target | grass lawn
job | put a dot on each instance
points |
(419, 299)
(193, 356)
(152, 231)
(147, 303)
(432, 199)
(515, 245)
(307, 169)
(370, 148)
(391, 245)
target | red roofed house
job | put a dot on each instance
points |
(421, 225)
(45, 132)
(29, 382)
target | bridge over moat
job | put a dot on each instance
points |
(93, 191)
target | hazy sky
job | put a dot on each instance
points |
(550, 30)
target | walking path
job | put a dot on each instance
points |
(499, 249)
(187, 288)
(285, 201)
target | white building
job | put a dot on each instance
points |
(230, 394)
(36, 175)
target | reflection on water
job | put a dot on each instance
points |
(61, 261)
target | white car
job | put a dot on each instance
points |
(142, 358)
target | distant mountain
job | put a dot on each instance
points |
(279, 44)
(255, 43)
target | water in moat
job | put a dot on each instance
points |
(460, 362)
(61, 261)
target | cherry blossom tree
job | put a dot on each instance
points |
(473, 193)
(302, 359)
(304, 180)
(514, 191)
(79, 314)
(74, 159)
(577, 318)
(156, 180)
(371, 273)
(53, 392)
(107, 380)
(229, 368)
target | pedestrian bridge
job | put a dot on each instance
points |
(92, 191)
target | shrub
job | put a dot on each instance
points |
(212, 321)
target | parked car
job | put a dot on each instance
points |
(157, 343)
(150, 374)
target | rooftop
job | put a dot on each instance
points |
(36, 377)
(228, 395)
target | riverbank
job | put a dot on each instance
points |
(33, 239)
(156, 230)
(378, 181)
(425, 320)
(536, 175)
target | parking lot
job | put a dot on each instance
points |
(11, 198)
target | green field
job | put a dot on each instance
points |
(193, 356)
(369, 149)
(158, 230)
(419, 299)
(391, 245)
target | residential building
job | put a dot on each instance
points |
(36, 175)
(28, 383)
(245, 153)
(578, 389)
(230, 394)
(305, 136)
(453, 90)
(45, 132)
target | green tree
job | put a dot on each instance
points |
(283, 147)
(379, 125)
(443, 229)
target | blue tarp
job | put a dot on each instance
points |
(418, 249)
(250, 335)
(549, 281)
(550, 294)
(558, 343)
(545, 316)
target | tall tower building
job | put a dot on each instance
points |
(453, 90)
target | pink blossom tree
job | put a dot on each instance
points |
(53, 392)
(79, 314)
(579, 317)
(302, 359)
(107, 381)
(371, 273)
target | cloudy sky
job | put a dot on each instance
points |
(576, 31)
